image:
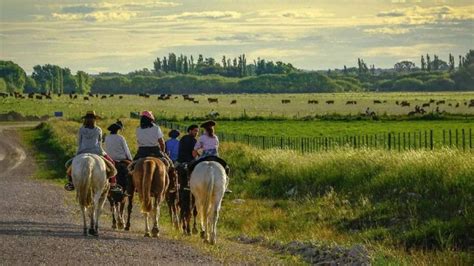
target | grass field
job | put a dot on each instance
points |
(265, 105)
(413, 207)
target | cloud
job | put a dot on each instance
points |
(211, 15)
(392, 13)
(427, 15)
(78, 9)
(406, 51)
(100, 16)
(388, 31)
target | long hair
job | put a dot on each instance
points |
(145, 122)
(89, 122)
(209, 131)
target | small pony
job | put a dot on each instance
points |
(90, 177)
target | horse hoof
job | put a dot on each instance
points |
(114, 226)
(120, 226)
(127, 229)
(203, 234)
(155, 232)
(147, 235)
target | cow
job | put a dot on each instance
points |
(377, 102)
(103, 97)
(313, 102)
(39, 97)
(285, 101)
(426, 105)
(440, 102)
(120, 97)
(31, 95)
(351, 102)
(86, 98)
(233, 102)
(330, 102)
(111, 95)
(75, 96)
(195, 101)
(212, 100)
(404, 103)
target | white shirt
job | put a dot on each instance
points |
(148, 137)
(117, 148)
(207, 143)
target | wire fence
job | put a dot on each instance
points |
(461, 139)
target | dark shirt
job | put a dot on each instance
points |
(186, 147)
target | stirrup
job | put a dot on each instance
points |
(69, 186)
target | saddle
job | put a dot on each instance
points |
(109, 167)
(221, 161)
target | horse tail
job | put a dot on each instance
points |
(109, 165)
(210, 190)
(148, 171)
(85, 190)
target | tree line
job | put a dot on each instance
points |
(182, 74)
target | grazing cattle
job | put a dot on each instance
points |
(89, 176)
(426, 105)
(48, 97)
(103, 97)
(330, 102)
(90, 94)
(3, 94)
(397, 103)
(404, 103)
(233, 102)
(86, 98)
(59, 94)
(75, 96)
(150, 180)
(120, 97)
(146, 95)
(377, 102)
(313, 102)
(384, 101)
(195, 101)
(111, 95)
(471, 104)
(208, 183)
(457, 105)
(97, 95)
(70, 95)
(440, 102)
(213, 100)
(351, 102)
(432, 101)
(285, 101)
(39, 97)
(31, 95)
(450, 104)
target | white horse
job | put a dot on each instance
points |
(89, 176)
(208, 183)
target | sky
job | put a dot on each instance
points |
(125, 35)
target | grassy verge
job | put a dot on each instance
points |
(412, 207)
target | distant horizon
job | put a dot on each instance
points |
(122, 36)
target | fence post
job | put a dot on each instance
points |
(399, 147)
(463, 140)
(457, 139)
(444, 137)
(431, 139)
(389, 141)
(263, 142)
(470, 138)
(450, 140)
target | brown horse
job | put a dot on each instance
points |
(172, 197)
(150, 178)
(117, 198)
(186, 202)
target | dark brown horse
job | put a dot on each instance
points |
(172, 197)
(187, 207)
(118, 197)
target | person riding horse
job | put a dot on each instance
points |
(89, 141)
(208, 143)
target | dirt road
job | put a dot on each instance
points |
(37, 226)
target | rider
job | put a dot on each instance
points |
(209, 144)
(172, 145)
(116, 145)
(89, 141)
(186, 145)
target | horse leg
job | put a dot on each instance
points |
(213, 220)
(156, 215)
(195, 214)
(99, 201)
(84, 220)
(147, 228)
(202, 218)
(120, 224)
(92, 220)
(129, 211)
(112, 210)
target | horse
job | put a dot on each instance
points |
(150, 178)
(208, 183)
(117, 198)
(186, 201)
(89, 176)
(172, 196)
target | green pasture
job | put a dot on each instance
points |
(264, 105)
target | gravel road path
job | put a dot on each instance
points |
(39, 225)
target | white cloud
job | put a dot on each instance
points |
(406, 51)
(387, 30)
(212, 15)
(100, 16)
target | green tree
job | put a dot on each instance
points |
(3, 85)
(83, 82)
(13, 75)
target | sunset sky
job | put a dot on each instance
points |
(122, 36)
